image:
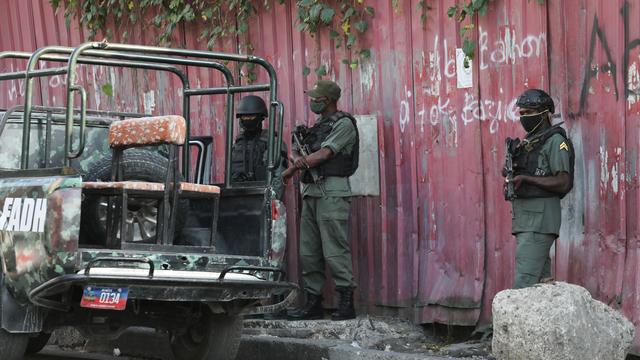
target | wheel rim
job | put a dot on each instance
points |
(141, 218)
(193, 339)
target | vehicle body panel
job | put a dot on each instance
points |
(39, 226)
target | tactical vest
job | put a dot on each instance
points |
(340, 164)
(247, 158)
(525, 162)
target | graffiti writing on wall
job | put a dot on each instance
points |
(508, 48)
(493, 111)
(16, 88)
(631, 74)
(504, 50)
(94, 78)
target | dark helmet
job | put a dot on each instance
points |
(250, 105)
(536, 99)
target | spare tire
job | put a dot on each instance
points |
(137, 165)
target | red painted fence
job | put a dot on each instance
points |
(435, 246)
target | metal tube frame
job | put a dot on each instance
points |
(281, 134)
(114, 55)
(130, 52)
(29, 75)
(50, 110)
(196, 54)
(153, 66)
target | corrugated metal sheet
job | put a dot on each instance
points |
(599, 239)
(512, 56)
(449, 158)
(435, 246)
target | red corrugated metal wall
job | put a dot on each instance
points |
(435, 246)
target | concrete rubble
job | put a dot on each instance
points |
(383, 338)
(550, 321)
(557, 321)
(363, 338)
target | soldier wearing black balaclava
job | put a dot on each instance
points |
(543, 173)
(249, 153)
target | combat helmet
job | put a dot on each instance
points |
(251, 105)
(536, 99)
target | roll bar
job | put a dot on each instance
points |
(145, 57)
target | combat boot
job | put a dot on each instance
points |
(312, 309)
(345, 310)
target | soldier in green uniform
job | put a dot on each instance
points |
(543, 174)
(333, 147)
(249, 153)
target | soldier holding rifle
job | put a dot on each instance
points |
(538, 173)
(326, 154)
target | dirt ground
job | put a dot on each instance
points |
(378, 333)
(366, 332)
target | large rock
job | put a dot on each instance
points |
(557, 321)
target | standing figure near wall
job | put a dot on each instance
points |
(327, 154)
(539, 172)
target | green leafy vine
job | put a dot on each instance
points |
(460, 12)
(164, 15)
(346, 20)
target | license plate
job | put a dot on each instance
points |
(108, 298)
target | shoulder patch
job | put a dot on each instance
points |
(564, 146)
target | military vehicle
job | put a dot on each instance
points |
(107, 222)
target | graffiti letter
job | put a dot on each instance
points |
(484, 41)
(588, 73)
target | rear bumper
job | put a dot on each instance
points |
(161, 285)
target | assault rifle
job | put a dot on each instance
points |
(510, 148)
(303, 149)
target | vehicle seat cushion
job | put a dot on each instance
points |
(146, 131)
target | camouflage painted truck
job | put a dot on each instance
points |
(107, 222)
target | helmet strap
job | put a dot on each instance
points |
(539, 122)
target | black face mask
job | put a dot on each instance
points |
(532, 122)
(254, 124)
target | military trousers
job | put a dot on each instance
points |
(323, 241)
(532, 258)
